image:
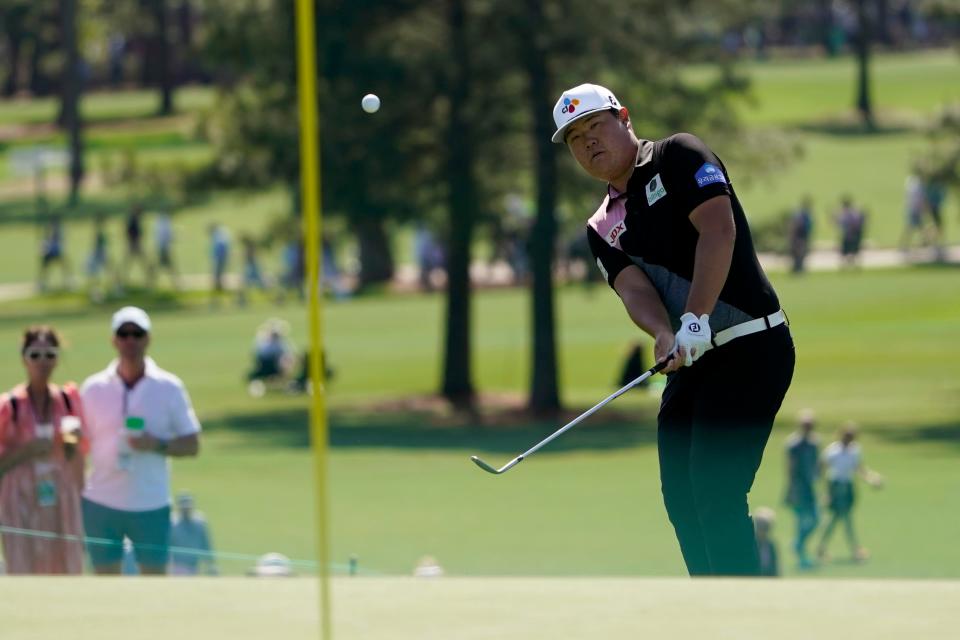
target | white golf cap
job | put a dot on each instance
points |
(579, 102)
(131, 315)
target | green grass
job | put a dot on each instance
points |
(876, 347)
(472, 609)
(794, 93)
(104, 106)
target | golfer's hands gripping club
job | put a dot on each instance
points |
(687, 346)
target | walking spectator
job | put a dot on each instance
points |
(98, 262)
(936, 193)
(163, 237)
(852, 222)
(801, 230)
(763, 519)
(843, 461)
(190, 541)
(429, 255)
(252, 277)
(293, 268)
(916, 202)
(52, 251)
(330, 270)
(137, 416)
(133, 229)
(803, 469)
(219, 255)
(42, 452)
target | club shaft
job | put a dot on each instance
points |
(586, 414)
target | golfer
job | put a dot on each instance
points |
(672, 240)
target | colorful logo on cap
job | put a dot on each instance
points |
(569, 106)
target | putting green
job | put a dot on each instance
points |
(477, 608)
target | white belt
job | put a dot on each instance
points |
(748, 327)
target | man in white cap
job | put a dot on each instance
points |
(138, 415)
(672, 240)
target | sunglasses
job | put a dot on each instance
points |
(131, 333)
(36, 354)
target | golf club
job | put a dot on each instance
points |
(586, 414)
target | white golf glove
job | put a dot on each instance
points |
(694, 337)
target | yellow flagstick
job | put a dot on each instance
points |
(310, 189)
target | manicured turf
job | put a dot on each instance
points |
(877, 347)
(480, 609)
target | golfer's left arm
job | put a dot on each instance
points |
(714, 223)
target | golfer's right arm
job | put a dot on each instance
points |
(645, 308)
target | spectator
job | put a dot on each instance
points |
(916, 202)
(633, 366)
(219, 255)
(936, 193)
(163, 237)
(137, 415)
(852, 222)
(134, 235)
(273, 355)
(51, 251)
(98, 263)
(763, 520)
(429, 255)
(801, 230)
(803, 468)
(251, 269)
(843, 460)
(190, 541)
(293, 268)
(41, 464)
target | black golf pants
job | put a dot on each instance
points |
(715, 420)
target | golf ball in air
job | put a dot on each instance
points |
(370, 103)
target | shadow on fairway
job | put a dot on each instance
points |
(408, 431)
(939, 434)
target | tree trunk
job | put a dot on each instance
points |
(164, 53)
(14, 29)
(864, 103)
(544, 393)
(375, 255)
(71, 95)
(457, 383)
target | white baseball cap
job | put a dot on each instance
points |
(132, 315)
(579, 102)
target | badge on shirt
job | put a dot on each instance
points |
(655, 190)
(615, 233)
(708, 174)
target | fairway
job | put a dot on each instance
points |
(480, 609)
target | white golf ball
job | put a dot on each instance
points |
(370, 103)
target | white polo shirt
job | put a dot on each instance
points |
(160, 398)
(842, 462)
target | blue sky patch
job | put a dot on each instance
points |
(708, 174)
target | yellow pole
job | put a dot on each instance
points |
(310, 186)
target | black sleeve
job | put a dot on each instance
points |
(610, 260)
(692, 172)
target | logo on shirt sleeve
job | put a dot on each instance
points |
(655, 190)
(708, 174)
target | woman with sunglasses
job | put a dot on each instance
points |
(41, 465)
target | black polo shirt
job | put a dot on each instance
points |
(649, 226)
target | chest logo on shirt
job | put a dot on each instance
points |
(708, 174)
(615, 233)
(655, 190)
